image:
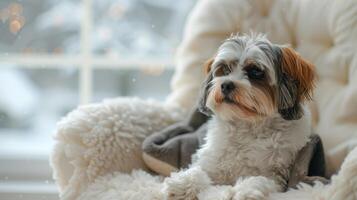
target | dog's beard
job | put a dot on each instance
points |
(242, 104)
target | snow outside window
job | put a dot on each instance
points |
(55, 55)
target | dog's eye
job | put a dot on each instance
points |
(226, 70)
(255, 73)
(223, 70)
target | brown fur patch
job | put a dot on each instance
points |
(218, 96)
(259, 100)
(265, 95)
(207, 65)
(245, 107)
(300, 70)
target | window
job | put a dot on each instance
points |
(55, 55)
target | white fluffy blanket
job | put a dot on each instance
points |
(140, 185)
(98, 146)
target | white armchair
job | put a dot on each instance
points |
(98, 144)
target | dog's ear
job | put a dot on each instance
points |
(207, 65)
(296, 83)
(205, 88)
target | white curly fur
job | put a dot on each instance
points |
(255, 157)
(72, 168)
(120, 186)
(186, 184)
(140, 185)
(102, 138)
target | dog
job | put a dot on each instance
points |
(256, 92)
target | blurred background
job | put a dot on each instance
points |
(55, 55)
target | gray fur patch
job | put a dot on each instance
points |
(204, 93)
(288, 100)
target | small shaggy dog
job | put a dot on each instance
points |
(256, 92)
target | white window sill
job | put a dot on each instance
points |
(24, 168)
(14, 190)
(26, 176)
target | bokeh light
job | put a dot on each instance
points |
(12, 14)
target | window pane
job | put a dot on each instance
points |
(145, 83)
(138, 28)
(32, 101)
(39, 26)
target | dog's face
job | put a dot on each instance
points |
(250, 78)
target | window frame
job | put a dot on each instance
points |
(86, 61)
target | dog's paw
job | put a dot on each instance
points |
(254, 188)
(185, 185)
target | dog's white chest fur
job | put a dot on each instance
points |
(243, 149)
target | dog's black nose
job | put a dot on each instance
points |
(227, 87)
